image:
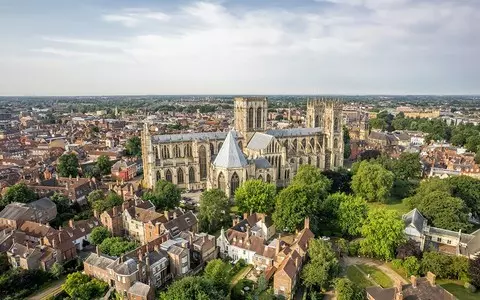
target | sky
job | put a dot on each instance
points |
(115, 47)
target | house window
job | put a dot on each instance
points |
(439, 239)
(449, 242)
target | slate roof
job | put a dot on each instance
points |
(415, 218)
(139, 289)
(197, 136)
(14, 211)
(423, 291)
(101, 261)
(259, 141)
(293, 132)
(262, 163)
(126, 268)
(230, 155)
(42, 204)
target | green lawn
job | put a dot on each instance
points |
(354, 274)
(400, 271)
(394, 205)
(377, 275)
(457, 289)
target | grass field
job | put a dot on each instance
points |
(354, 274)
(378, 276)
(397, 205)
(400, 271)
(457, 289)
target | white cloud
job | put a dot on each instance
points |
(364, 46)
(134, 16)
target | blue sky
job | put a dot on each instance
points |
(95, 47)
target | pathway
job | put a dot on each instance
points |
(52, 290)
(240, 275)
(380, 265)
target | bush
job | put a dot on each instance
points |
(19, 283)
(353, 248)
(397, 263)
(470, 287)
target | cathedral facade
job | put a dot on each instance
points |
(225, 160)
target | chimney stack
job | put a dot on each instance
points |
(248, 231)
(70, 223)
(399, 296)
(398, 286)
(95, 213)
(115, 210)
(245, 216)
(98, 250)
(307, 223)
(165, 213)
(431, 278)
(277, 248)
(413, 280)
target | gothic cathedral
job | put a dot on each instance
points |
(224, 160)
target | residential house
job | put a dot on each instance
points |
(438, 239)
(75, 189)
(418, 288)
(32, 258)
(178, 251)
(124, 170)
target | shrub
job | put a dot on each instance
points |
(353, 248)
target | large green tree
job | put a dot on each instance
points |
(68, 165)
(19, 192)
(348, 290)
(312, 179)
(214, 209)
(134, 146)
(468, 189)
(407, 166)
(217, 271)
(372, 182)
(293, 206)
(193, 288)
(98, 235)
(164, 196)
(104, 164)
(62, 203)
(383, 233)
(255, 195)
(116, 246)
(352, 212)
(323, 266)
(474, 271)
(101, 202)
(83, 287)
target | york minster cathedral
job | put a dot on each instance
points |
(225, 160)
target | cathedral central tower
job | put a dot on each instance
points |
(250, 115)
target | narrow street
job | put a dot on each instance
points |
(52, 290)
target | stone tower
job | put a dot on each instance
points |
(148, 158)
(250, 115)
(327, 114)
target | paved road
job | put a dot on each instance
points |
(55, 289)
(379, 264)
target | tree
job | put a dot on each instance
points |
(62, 202)
(347, 150)
(477, 157)
(19, 192)
(82, 287)
(352, 213)
(473, 142)
(262, 284)
(323, 266)
(68, 165)
(407, 166)
(372, 182)
(445, 211)
(192, 288)
(100, 202)
(104, 164)
(468, 189)
(95, 196)
(98, 235)
(116, 246)
(214, 209)
(409, 248)
(437, 263)
(134, 147)
(348, 290)
(4, 263)
(255, 195)
(341, 180)
(474, 271)
(293, 205)
(312, 179)
(56, 270)
(382, 232)
(411, 265)
(217, 271)
(165, 195)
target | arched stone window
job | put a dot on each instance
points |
(212, 149)
(157, 153)
(335, 143)
(165, 152)
(336, 124)
(309, 160)
(317, 121)
(259, 117)
(234, 183)
(294, 145)
(312, 143)
(269, 178)
(159, 175)
(202, 154)
(176, 151)
(188, 150)
(168, 176)
(240, 145)
(220, 146)
(304, 144)
(221, 182)
(180, 177)
(250, 118)
(191, 175)
(260, 177)
(300, 161)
